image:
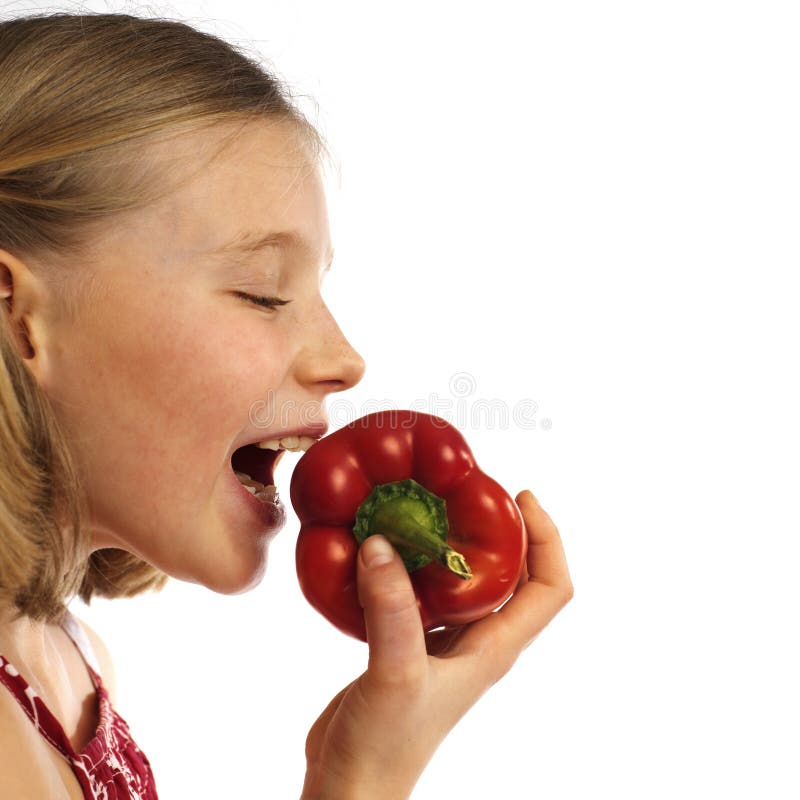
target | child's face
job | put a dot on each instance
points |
(167, 371)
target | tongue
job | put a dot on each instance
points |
(257, 463)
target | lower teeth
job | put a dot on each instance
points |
(258, 490)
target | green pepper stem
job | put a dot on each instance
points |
(393, 520)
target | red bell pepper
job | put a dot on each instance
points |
(411, 477)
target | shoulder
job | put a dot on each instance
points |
(26, 760)
(103, 658)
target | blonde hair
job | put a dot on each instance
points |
(81, 98)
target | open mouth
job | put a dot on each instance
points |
(255, 469)
(254, 464)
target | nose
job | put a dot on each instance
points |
(327, 357)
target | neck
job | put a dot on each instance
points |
(28, 644)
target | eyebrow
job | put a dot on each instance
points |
(251, 243)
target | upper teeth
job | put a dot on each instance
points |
(293, 443)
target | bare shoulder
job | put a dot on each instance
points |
(104, 658)
(26, 760)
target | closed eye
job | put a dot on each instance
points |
(265, 302)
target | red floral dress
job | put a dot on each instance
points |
(111, 766)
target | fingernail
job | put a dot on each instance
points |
(376, 550)
(531, 495)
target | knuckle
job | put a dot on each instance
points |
(387, 596)
(407, 677)
(393, 601)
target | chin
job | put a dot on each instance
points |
(228, 577)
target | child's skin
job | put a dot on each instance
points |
(154, 384)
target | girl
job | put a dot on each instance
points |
(163, 238)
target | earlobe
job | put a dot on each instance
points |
(19, 331)
(16, 291)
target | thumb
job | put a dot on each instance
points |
(394, 628)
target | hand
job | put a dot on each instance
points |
(376, 736)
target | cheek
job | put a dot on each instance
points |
(167, 380)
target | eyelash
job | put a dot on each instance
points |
(265, 302)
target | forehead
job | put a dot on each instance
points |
(238, 180)
(264, 174)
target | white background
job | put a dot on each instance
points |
(594, 207)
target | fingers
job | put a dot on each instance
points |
(546, 562)
(548, 587)
(394, 629)
(497, 640)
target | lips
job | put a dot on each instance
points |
(316, 430)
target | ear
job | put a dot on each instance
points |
(23, 305)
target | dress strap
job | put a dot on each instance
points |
(75, 631)
(111, 766)
(33, 705)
